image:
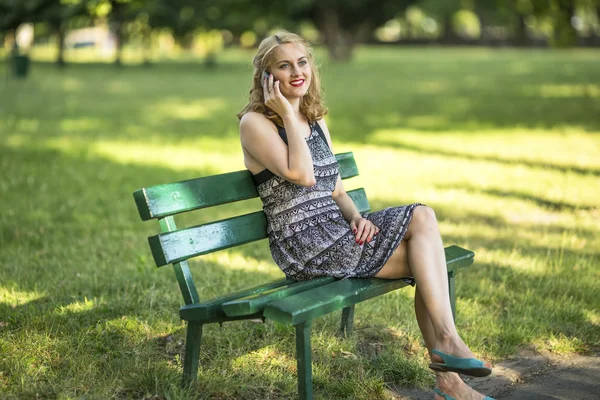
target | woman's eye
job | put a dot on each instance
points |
(303, 62)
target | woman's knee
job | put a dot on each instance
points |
(423, 218)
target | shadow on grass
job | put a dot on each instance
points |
(457, 216)
(539, 201)
(547, 304)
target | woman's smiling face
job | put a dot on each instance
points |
(290, 66)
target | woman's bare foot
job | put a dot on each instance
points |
(451, 384)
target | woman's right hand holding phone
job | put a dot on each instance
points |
(273, 97)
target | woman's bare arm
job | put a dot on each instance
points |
(260, 140)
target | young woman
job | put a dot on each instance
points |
(315, 229)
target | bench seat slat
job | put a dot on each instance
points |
(325, 299)
(172, 198)
(257, 302)
(183, 244)
(213, 308)
(457, 257)
(322, 300)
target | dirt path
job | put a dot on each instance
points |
(531, 376)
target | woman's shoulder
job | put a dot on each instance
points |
(256, 122)
(253, 117)
(323, 125)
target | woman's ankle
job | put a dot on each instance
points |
(447, 335)
(448, 381)
(453, 346)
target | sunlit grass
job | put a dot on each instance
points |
(564, 146)
(175, 108)
(504, 145)
(589, 90)
(10, 295)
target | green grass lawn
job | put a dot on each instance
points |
(503, 144)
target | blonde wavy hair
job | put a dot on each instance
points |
(311, 104)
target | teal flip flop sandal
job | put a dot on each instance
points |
(465, 366)
(445, 396)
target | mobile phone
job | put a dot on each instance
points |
(266, 74)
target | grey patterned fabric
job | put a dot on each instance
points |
(308, 236)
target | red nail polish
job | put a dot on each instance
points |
(361, 242)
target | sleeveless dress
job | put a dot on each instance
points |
(308, 235)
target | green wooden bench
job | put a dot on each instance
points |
(285, 301)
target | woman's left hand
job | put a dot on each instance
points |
(363, 229)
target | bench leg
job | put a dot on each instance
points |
(304, 359)
(452, 290)
(192, 353)
(347, 321)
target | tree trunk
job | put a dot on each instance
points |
(448, 35)
(118, 28)
(481, 15)
(521, 38)
(118, 31)
(10, 42)
(60, 34)
(564, 34)
(147, 46)
(596, 40)
(339, 43)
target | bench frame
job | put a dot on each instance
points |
(277, 300)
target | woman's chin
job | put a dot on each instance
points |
(301, 92)
(296, 94)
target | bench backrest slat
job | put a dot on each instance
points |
(186, 243)
(173, 198)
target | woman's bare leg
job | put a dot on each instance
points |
(421, 255)
(424, 321)
(448, 382)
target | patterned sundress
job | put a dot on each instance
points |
(309, 237)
